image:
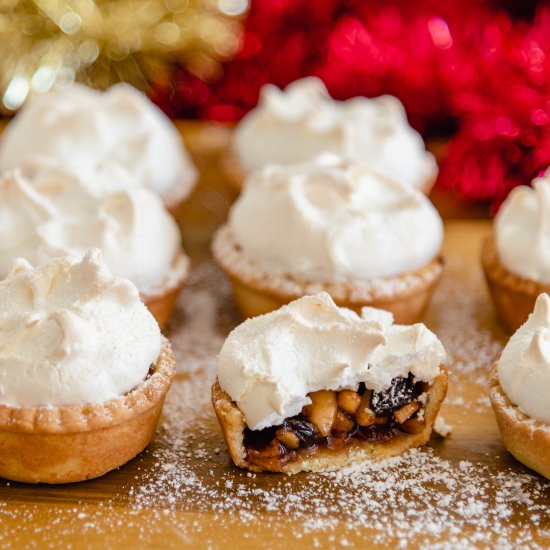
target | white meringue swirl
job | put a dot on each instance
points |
(47, 213)
(353, 223)
(303, 121)
(522, 231)
(269, 364)
(85, 130)
(524, 365)
(71, 333)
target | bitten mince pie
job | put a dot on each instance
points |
(312, 386)
(519, 389)
(516, 258)
(48, 213)
(301, 122)
(335, 226)
(84, 371)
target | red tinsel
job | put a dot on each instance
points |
(504, 135)
(475, 67)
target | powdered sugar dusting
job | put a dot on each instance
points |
(184, 491)
(205, 310)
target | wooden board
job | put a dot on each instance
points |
(464, 490)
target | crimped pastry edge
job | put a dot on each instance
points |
(527, 439)
(513, 296)
(94, 416)
(350, 293)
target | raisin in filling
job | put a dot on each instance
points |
(335, 418)
(396, 396)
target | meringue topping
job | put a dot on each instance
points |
(47, 213)
(86, 129)
(269, 364)
(354, 223)
(71, 333)
(524, 365)
(522, 231)
(303, 121)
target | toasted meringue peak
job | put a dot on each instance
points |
(303, 121)
(354, 223)
(46, 212)
(524, 365)
(522, 231)
(72, 333)
(87, 130)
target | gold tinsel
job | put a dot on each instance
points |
(99, 42)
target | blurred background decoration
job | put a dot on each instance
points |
(99, 42)
(474, 75)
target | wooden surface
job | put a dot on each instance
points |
(183, 491)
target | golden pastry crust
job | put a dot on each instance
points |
(524, 437)
(513, 296)
(233, 424)
(161, 301)
(256, 292)
(79, 442)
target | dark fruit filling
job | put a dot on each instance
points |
(335, 418)
(398, 394)
(303, 428)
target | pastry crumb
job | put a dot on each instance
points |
(441, 427)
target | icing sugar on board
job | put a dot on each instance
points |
(460, 491)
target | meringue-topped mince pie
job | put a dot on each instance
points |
(312, 386)
(301, 122)
(332, 225)
(85, 129)
(516, 258)
(519, 389)
(84, 371)
(46, 213)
